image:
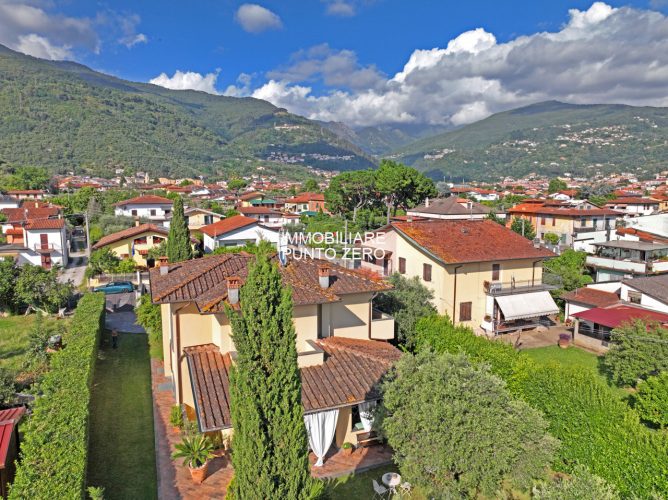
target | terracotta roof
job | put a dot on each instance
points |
(306, 197)
(8, 420)
(203, 281)
(251, 196)
(615, 315)
(450, 206)
(45, 224)
(459, 241)
(148, 199)
(642, 235)
(258, 210)
(129, 233)
(31, 213)
(26, 191)
(591, 297)
(532, 208)
(227, 225)
(349, 375)
(654, 286)
(631, 200)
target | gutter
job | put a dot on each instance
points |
(454, 296)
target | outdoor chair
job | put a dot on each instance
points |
(380, 491)
(405, 487)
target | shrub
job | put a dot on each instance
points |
(582, 485)
(55, 447)
(551, 238)
(149, 316)
(651, 400)
(595, 427)
(638, 350)
(7, 387)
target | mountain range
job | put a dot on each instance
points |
(68, 117)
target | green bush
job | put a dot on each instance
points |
(582, 485)
(595, 427)
(651, 400)
(55, 446)
(149, 316)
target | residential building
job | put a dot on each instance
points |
(451, 208)
(650, 292)
(616, 260)
(198, 217)
(482, 274)
(237, 230)
(27, 194)
(634, 206)
(306, 202)
(135, 242)
(44, 243)
(156, 209)
(7, 201)
(247, 199)
(585, 298)
(340, 339)
(577, 224)
(267, 216)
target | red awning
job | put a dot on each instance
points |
(614, 316)
(8, 419)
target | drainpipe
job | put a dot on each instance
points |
(454, 295)
(177, 335)
(533, 272)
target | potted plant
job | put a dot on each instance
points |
(176, 418)
(347, 448)
(564, 340)
(196, 451)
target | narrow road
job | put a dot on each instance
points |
(76, 267)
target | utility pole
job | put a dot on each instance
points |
(87, 234)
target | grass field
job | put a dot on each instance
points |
(121, 450)
(14, 341)
(567, 357)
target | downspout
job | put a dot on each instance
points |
(177, 334)
(454, 295)
(533, 272)
(371, 312)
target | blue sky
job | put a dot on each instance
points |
(318, 56)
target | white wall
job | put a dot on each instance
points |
(645, 300)
(57, 242)
(162, 211)
(240, 237)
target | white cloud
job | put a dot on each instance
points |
(132, 40)
(38, 46)
(127, 25)
(183, 80)
(256, 19)
(242, 87)
(340, 8)
(600, 55)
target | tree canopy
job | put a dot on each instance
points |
(523, 227)
(178, 240)
(556, 185)
(456, 430)
(402, 187)
(348, 192)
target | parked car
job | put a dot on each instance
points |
(115, 287)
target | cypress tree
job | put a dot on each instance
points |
(178, 241)
(270, 447)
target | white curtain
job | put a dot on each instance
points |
(366, 414)
(321, 427)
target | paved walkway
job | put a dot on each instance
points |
(123, 320)
(540, 337)
(75, 269)
(174, 481)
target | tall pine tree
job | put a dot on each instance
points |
(270, 445)
(178, 241)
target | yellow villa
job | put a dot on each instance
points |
(134, 242)
(482, 274)
(341, 340)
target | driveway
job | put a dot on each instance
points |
(75, 269)
(123, 318)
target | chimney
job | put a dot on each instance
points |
(323, 275)
(163, 265)
(426, 203)
(233, 283)
(137, 222)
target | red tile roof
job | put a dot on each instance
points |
(148, 199)
(45, 224)
(8, 420)
(615, 315)
(533, 208)
(30, 213)
(251, 196)
(349, 375)
(306, 197)
(130, 233)
(631, 200)
(258, 211)
(591, 297)
(461, 241)
(204, 281)
(227, 225)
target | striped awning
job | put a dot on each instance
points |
(527, 305)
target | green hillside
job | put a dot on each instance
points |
(550, 138)
(65, 116)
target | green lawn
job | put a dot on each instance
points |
(572, 356)
(121, 450)
(14, 340)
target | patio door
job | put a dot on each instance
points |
(44, 241)
(46, 261)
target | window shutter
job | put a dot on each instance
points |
(426, 272)
(402, 265)
(465, 311)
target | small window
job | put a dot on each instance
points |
(496, 272)
(635, 297)
(153, 212)
(465, 311)
(426, 272)
(402, 265)
(134, 213)
(542, 220)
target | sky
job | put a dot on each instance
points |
(364, 62)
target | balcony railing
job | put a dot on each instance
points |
(46, 247)
(629, 266)
(496, 288)
(382, 325)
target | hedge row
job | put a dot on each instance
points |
(54, 451)
(595, 427)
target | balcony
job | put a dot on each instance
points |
(626, 266)
(496, 288)
(382, 325)
(45, 247)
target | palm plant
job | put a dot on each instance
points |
(195, 450)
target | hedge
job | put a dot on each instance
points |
(54, 451)
(596, 428)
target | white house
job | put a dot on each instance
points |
(634, 206)
(237, 231)
(45, 243)
(154, 208)
(650, 292)
(267, 216)
(8, 202)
